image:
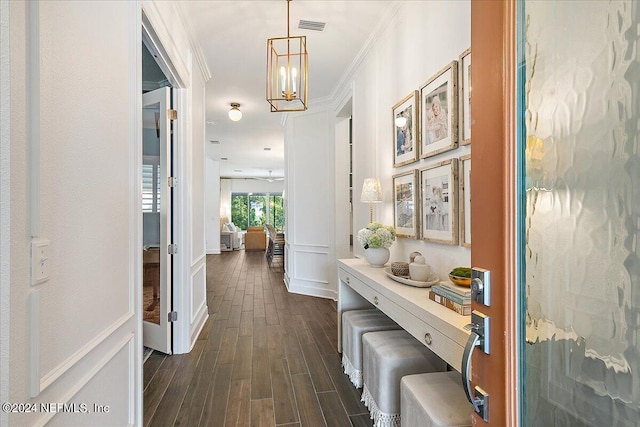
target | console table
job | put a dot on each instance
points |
(437, 327)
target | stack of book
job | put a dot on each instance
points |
(454, 297)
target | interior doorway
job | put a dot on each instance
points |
(344, 180)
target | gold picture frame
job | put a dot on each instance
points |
(406, 132)
(405, 206)
(464, 97)
(465, 200)
(439, 112)
(439, 202)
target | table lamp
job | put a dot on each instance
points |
(371, 193)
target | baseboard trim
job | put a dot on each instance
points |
(202, 319)
(297, 287)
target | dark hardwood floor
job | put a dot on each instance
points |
(264, 358)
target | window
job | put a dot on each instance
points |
(276, 211)
(257, 209)
(150, 175)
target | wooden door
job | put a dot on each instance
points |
(493, 39)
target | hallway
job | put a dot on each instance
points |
(264, 358)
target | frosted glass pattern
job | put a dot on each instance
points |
(581, 294)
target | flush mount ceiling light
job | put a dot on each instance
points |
(287, 71)
(234, 113)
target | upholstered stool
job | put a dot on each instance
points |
(355, 324)
(387, 357)
(434, 400)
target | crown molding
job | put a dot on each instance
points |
(344, 84)
(196, 48)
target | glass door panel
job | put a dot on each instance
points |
(580, 224)
(156, 218)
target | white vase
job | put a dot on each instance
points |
(377, 257)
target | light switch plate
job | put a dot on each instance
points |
(40, 261)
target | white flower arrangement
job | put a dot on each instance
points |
(376, 235)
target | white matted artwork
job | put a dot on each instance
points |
(439, 202)
(464, 99)
(406, 135)
(439, 112)
(405, 209)
(465, 201)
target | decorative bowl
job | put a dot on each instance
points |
(400, 268)
(462, 281)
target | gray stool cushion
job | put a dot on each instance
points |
(354, 324)
(387, 357)
(434, 400)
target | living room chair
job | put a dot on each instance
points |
(255, 239)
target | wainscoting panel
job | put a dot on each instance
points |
(50, 377)
(198, 300)
(98, 387)
(98, 399)
(309, 270)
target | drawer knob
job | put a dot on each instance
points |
(375, 300)
(427, 338)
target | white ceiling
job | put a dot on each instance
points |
(233, 37)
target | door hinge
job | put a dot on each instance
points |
(173, 114)
(173, 316)
(173, 249)
(172, 182)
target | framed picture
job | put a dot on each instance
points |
(464, 99)
(439, 202)
(439, 112)
(465, 201)
(405, 130)
(405, 209)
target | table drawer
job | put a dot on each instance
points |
(436, 341)
(432, 338)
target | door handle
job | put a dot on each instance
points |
(472, 343)
(479, 337)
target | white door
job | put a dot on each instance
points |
(156, 213)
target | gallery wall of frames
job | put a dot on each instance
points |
(432, 201)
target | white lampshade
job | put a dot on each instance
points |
(371, 191)
(234, 113)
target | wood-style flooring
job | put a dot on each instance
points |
(265, 358)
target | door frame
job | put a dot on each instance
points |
(494, 201)
(160, 42)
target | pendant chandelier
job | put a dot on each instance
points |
(287, 72)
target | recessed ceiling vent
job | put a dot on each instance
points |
(311, 25)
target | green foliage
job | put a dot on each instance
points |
(251, 210)
(239, 210)
(276, 208)
(461, 272)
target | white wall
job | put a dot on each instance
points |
(213, 203)
(195, 301)
(310, 197)
(252, 186)
(75, 181)
(420, 40)
(76, 337)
